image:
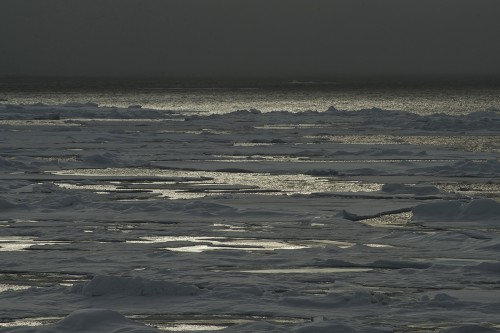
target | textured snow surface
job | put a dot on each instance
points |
(108, 285)
(91, 321)
(137, 220)
(482, 211)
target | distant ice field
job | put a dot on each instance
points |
(289, 97)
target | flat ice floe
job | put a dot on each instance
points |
(477, 212)
(137, 220)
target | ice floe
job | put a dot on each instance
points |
(91, 321)
(102, 285)
(482, 211)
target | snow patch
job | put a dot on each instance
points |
(409, 189)
(91, 321)
(485, 210)
(12, 165)
(102, 160)
(321, 172)
(358, 297)
(489, 168)
(317, 326)
(469, 329)
(333, 326)
(80, 105)
(487, 268)
(6, 205)
(64, 201)
(442, 300)
(102, 285)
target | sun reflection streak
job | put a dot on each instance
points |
(219, 243)
(198, 184)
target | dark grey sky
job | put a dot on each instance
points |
(250, 38)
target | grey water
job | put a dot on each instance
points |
(208, 97)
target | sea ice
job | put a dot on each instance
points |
(350, 221)
(91, 321)
(408, 189)
(479, 210)
(102, 285)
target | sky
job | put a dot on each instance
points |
(296, 39)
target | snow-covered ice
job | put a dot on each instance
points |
(138, 220)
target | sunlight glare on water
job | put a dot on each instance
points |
(214, 182)
(487, 143)
(225, 98)
(30, 322)
(188, 327)
(308, 270)
(7, 287)
(219, 243)
(18, 243)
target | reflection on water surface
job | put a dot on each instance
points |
(20, 243)
(219, 243)
(187, 184)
